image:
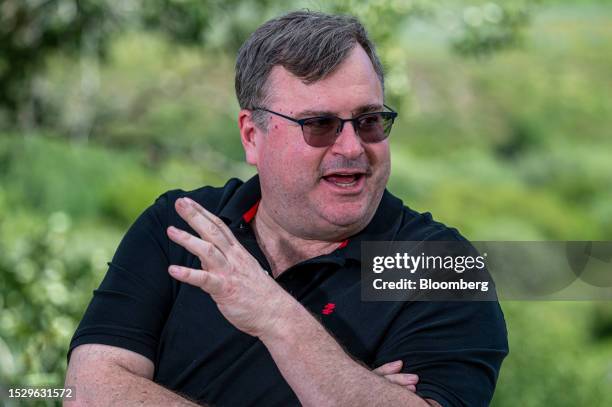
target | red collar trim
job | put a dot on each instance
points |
(250, 214)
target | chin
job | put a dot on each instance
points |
(345, 215)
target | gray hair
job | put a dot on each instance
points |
(308, 44)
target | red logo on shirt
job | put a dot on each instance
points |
(328, 308)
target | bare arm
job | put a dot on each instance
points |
(106, 375)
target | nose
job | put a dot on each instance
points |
(348, 143)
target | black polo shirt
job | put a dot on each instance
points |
(456, 348)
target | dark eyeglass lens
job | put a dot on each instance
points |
(321, 131)
(375, 127)
(372, 128)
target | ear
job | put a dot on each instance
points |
(248, 133)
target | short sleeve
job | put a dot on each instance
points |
(130, 306)
(456, 348)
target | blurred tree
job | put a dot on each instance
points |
(43, 288)
(31, 30)
(489, 27)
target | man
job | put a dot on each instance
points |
(250, 294)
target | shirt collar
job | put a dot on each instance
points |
(384, 226)
(242, 200)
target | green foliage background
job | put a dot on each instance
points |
(504, 132)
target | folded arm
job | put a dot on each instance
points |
(106, 375)
(322, 374)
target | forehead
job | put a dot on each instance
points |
(352, 84)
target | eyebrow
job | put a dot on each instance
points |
(373, 107)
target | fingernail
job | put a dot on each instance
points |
(174, 270)
(397, 363)
(182, 204)
(173, 231)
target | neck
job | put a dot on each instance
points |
(283, 249)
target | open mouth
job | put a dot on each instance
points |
(344, 180)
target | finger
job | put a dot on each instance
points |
(403, 379)
(207, 225)
(206, 251)
(203, 226)
(227, 234)
(389, 368)
(411, 387)
(207, 281)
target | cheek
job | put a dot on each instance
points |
(379, 155)
(288, 163)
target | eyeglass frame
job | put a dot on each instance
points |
(353, 121)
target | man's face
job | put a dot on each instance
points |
(321, 192)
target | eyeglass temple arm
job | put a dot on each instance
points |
(300, 122)
(392, 110)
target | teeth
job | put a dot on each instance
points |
(345, 185)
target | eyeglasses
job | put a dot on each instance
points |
(322, 131)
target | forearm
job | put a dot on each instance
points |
(321, 373)
(115, 385)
